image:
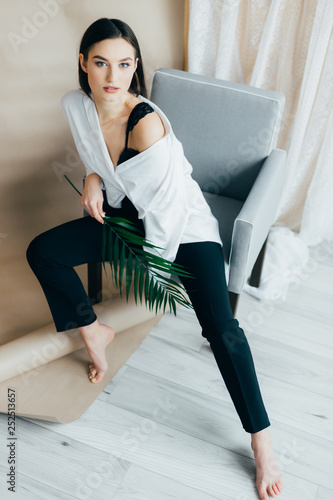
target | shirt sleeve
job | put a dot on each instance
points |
(71, 104)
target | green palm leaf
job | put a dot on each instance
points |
(129, 270)
(136, 279)
(148, 283)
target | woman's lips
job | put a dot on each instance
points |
(111, 90)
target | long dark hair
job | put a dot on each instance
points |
(105, 28)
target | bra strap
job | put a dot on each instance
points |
(138, 112)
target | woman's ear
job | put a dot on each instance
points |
(82, 63)
(136, 63)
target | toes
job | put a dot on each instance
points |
(278, 487)
(92, 374)
(92, 371)
(271, 491)
(263, 494)
(97, 377)
(93, 378)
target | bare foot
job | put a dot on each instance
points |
(269, 480)
(96, 337)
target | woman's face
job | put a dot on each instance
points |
(111, 63)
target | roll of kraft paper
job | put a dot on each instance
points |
(46, 344)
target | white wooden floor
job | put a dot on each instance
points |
(165, 427)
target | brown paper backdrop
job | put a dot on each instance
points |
(40, 41)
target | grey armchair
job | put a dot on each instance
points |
(229, 132)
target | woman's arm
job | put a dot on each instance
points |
(92, 197)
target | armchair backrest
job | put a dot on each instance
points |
(227, 129)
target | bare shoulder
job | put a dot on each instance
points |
(147, 131)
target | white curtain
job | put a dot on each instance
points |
(286, 46)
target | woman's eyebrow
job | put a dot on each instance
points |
(100, 57)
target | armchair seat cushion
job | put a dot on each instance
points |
(226, 210)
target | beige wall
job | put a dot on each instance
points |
(39, 64)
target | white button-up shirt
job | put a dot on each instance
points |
(157, 181)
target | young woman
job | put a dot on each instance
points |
(136, 168)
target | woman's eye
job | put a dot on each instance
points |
(123, 65)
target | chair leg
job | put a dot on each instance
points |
(257, 268)
(95, 282)
(233, 298)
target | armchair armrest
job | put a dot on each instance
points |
(255, 219)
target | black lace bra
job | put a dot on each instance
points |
(138, 112)
(128, 210)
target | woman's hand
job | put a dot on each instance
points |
(92, 197)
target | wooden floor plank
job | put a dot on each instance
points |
(62, 463)
(134, 487)
(165, 427)
(216, 422)
(324, 494)
(177, 455)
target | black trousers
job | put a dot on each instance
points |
(53, 254)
